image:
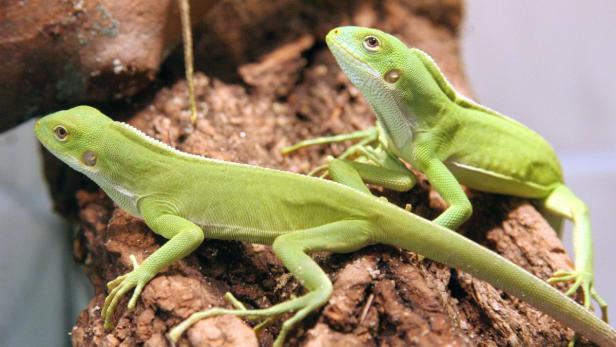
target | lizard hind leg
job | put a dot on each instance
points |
(293, 248)
(366, 135)
(562, 202)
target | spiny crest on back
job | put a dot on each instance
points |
(156, 144)
(160, 146)
(450, 91)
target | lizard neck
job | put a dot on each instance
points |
(422, 94)
(126, 158)
(413, 104)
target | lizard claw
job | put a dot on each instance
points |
(240, 306)
(137, 279)
(584, 280)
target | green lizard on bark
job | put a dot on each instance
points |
(186, 198)
(423, 121)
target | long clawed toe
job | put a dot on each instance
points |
(602, 304)
(267, 315)
(588, 290)
(118, 287)
(567, 276)
(174, 334)
(240, 306)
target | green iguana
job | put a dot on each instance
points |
(186, 198)
(423, 121)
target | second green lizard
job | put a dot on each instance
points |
(423, 121)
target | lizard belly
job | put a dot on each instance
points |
(241, 233)
(493, 182)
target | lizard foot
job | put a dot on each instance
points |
(239, 305)
(584, 280)
(137, 279)
(174, 335)
(301, 306)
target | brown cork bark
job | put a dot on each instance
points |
(268, 81)
(54, 53)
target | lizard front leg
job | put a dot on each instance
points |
(446, 184)
(374, 165)
(184, 237)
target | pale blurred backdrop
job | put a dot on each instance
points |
(549, 64)
(552, 66)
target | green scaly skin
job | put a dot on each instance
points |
(186, 198)
(422, 120)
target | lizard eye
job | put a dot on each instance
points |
(60, 132)
(89, 158)
(371, 43)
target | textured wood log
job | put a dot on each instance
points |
(269, 82)
(54, 53)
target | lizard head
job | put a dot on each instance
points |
(74, 136)
(366, 54)
(381, 67)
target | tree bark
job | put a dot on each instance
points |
(268, 81)
(54, 53)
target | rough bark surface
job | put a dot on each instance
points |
(268, 81)
(54, 53)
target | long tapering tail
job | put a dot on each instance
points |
(419, 235)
